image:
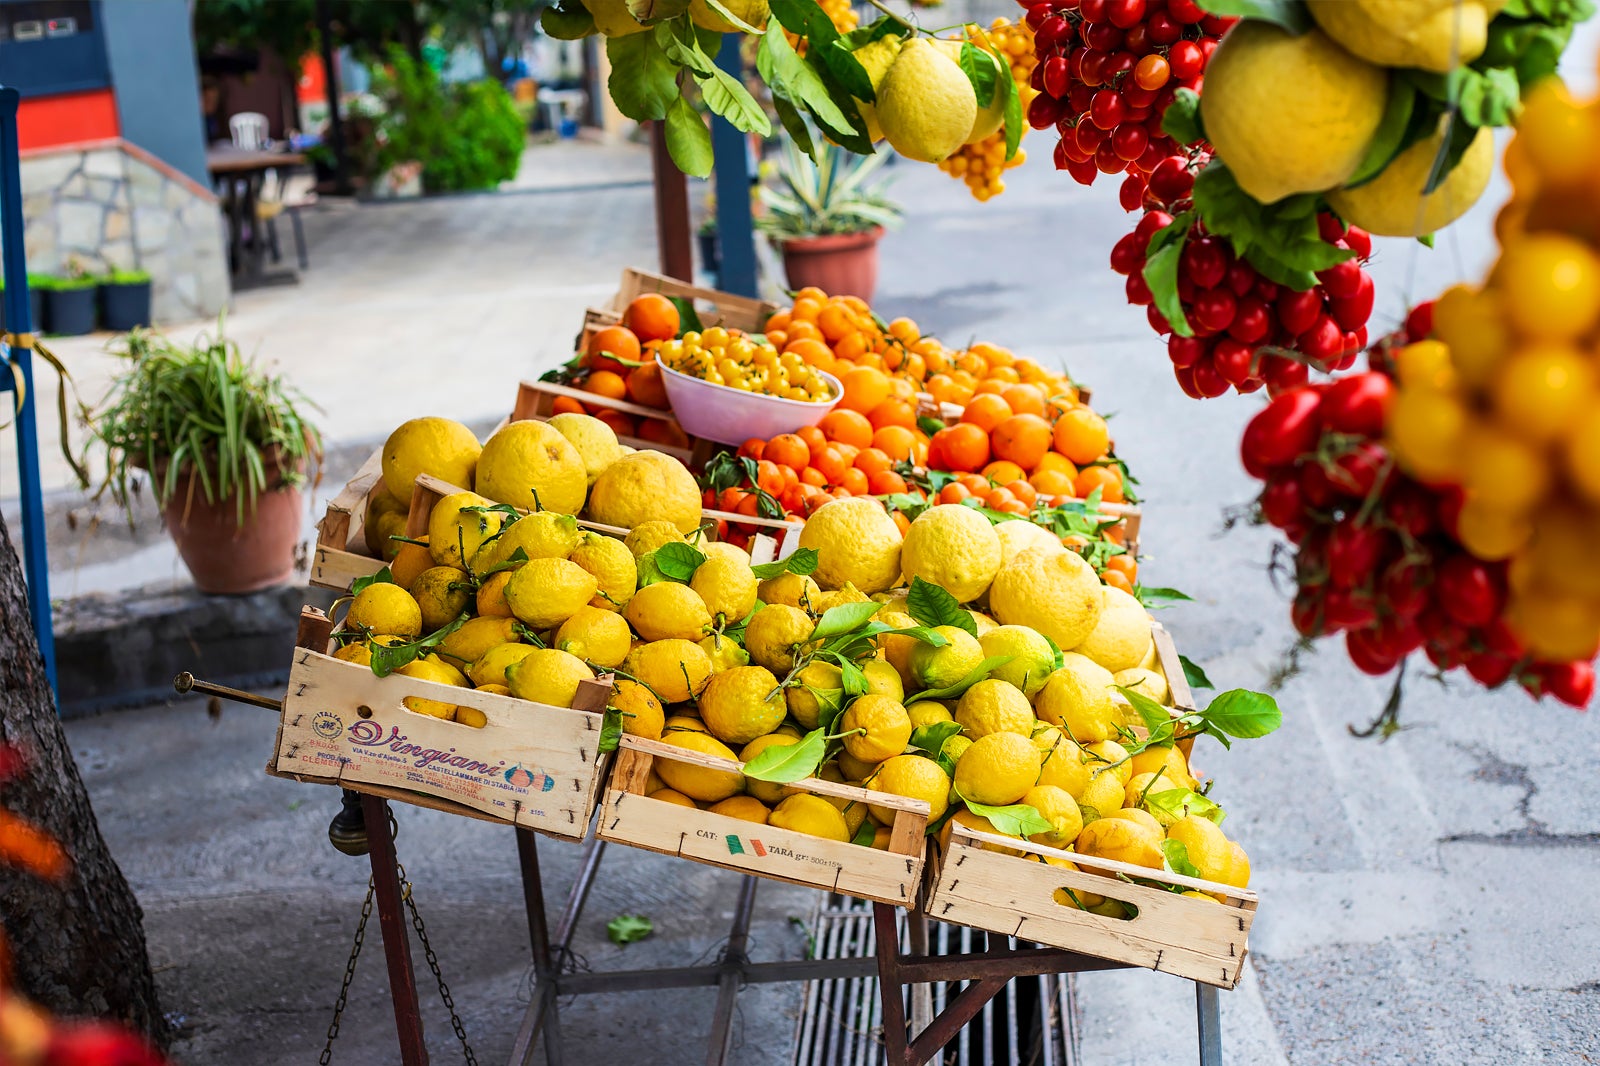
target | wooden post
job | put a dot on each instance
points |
(396, 944)
(673, 235)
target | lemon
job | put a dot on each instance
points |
(674, 797)
(883, 680)
(1077, 704)
(789, 589)
(540, 535)
(476, 636)
(1031, 656)
(1102, 797)
(699, 782)
(1208, 849)
(926, 712)
(543, 593)
(533, 467)
(811, 815)
(993, 706)
(983, 825)
(1056, 593)
(855, 769)
(1550, 286)
(596, 442)
(990, 116)
(547, 675)
(1290, 114)
(384, 607)
(1058, 808)
(666, 611)
(682, 721)
(772, 633)
(1139, 817)
(876, 58)
(1435, 35)
(409, 561)
(1121, 635)
(925, 105)
(856, 542)
(816, 693)
(954, 547)
(643, 487)
(490, 667)
(1238, 874)
(766, 791)
(932, 667)
(612, 17)
(884, 728)
(458, 526)
(1109, 757)
(646, 537)
(596, 636)
(913, 777)
(724, 652)
(998, 769)
(896, 648)
(753, 13)
(1061, 763)
(491, 598)
(1144, 681)
(438, 446)
(1393, 205)
(442, 593)
(1018, 536)
(982, 622)
(383, 520)
(848, 593)
(471, 716)
(726, 586)
(642, 714)
(741, 704)
(955, 747)
(744, 808)
(1169, 760)
(358, 653)
(436, 672)
(1122, 840)
(1138, 790)
(675, 670)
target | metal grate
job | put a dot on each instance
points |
(1032, 1022)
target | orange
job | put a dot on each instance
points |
(872, 461)
(788, 449)
(813, 352)
(1002, 470)
(885, 481)
(802, 330)
(1105, 478)
(1005, 373)
(622, 425)
(1052, 482)
(937, 358)
(566, 405)
(606, 383)
(901, 522)
(812, 476)
(753, 448)
(850, 427)
(836, 321)
(811, 292)
(1057, 462)
(998, 497)
(1081, 435)
(1124, 564)
(777, 338)
(805, 310)
(1028, 370)
(954, 492)
(613, 348)
(645, 387)
(902, 389)
(1022, 491)
(1118, 580)
(847, 452)
(815, 439)
(855, 481)
(914, 367)
(962, 446)
(856, 304)
(864, 388)
(1023, 439)
(989, 387)
(768, 476)
(831, 464)
(985, 412)
(851, 346)
(892, 413)
(976, 484)
(652, 317)
(777, 320)
(919, 451)
(1024, 399)
(658, 431)
(894, 441)
(905, 331)
(993, 354)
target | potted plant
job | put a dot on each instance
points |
(125, 300)
(826, 219)
(35, 303)
(69, 303)
(226, 449)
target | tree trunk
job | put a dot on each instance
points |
(78, 948)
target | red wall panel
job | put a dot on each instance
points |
(72, 118)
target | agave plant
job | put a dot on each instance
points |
(831, 195)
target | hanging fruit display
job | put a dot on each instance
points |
(981, 163)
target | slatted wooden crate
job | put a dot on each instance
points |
(536, 399)
(630, 817)
(530, 765)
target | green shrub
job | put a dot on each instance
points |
(466, 136)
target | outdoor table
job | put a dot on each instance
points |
(243, 170)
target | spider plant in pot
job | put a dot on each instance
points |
(225, 447)
(826, 218)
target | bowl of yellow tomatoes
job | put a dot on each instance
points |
(727, 386)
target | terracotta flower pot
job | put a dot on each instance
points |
(841, 264)
(224, 556)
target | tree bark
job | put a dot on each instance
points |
(76, 948)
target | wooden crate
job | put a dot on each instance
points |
(715, 308)
(1202, 940)
(531, 765)
(536, 399)
(630, 817)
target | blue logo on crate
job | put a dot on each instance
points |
(327, 725)
(537, 780)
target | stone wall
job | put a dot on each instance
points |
(113, 205)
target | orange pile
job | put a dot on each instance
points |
(618, 363)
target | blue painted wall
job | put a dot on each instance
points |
(150, 47)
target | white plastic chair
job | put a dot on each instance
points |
(248, 130)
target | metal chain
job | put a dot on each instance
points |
(433, 964)
(349, 975)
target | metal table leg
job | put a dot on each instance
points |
(734, 959)
(1208, 1011)
(396, 943)
(544, 972)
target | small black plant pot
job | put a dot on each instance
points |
(710, 252)
(70, 311)
(35, 310)
(125, 306)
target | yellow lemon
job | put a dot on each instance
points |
(384, 607)
(646, 537)
(768, 792)
(675, 670)
(1031, 657)
(543, 593)
(1209, 851)
(939, 667)
(741, 704)
(490, 667)
(1435, 35)
(790, 589)
(953, 547)
(1058, 808)
(532, 466)
(596, 636)
(1056, 593)
(993, 706)
(856, 542)
(772, 634)
(913, 777)
(440, 447)
(1393, 203)
(547, 675)
(998, 769)
(596, 442)
(1122, 840)
(442, 593)
(1078, 704)
(668, 611)
(642, 714)
(744, 808)
(925, 104)
(817, 692)
(875, 727)
(723, 651)
(476, 636)
(646, 486)
(698, 782)
(726, 586)
(459, 525)
(812, 815)
(540, 535)
(612, 565)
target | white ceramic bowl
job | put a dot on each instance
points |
(732, 416)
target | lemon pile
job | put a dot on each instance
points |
(733, 358)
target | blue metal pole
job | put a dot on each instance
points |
(35, 559)
(735, 228)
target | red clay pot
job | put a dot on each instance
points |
(228, 558)
(840, 264)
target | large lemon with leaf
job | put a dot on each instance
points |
(753, 13)
(926, 106)
(612, 17)
(876, 57)
(990, 116)
(1393, 204)
(1434, 35)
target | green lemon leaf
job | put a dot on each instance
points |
(644, 80)
(387, 659)
(1182, 120)
(1461, 138)
(677, 561)
(853, 679)
(1016, 819)
(933, 606)
(1281, 239)
(1292, 15)
(866, 834)
(688, 140)
(978, 673)
(1176, 857)
(1014, 121)
(1181, 802)
(794, 124)
(1390, 139)
(722, 10)
(922, 633)
(803, 561)
(847, 70)
(1157, 719)
(844, 618)
(979, 68)
(727, 96)
(1193, 674)
(1161, 271)
(931, 737)
(625, 929)
(785, 764)
(610, 729)
(793, 78)
(864, 35)
(567, 21)
(688, 317)
(383, 577)
(1243, 714)
(1155, 598)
